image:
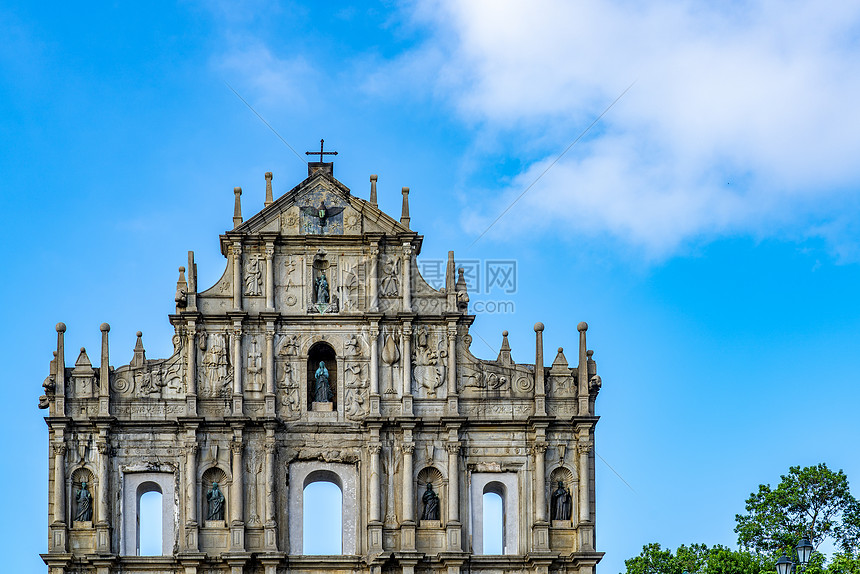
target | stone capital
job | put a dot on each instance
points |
(237, 248)
(59, 448)
(270, 252)
(583, 447)
(408, 448)
(103, 447)
(374, 448)
(539, 447)
(452, 448)
(236, 446)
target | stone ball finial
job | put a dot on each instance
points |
(538, 327)
(582, 326)
(237, 190)
(589, 353)
(61, 327)
(504, 333)
(104, 327)
(405, 191)
(561, 349)
(181, 269)
(140, 333)
(268, 175)
(374, 177)
(83, 349)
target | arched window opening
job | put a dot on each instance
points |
(322, 377)
(494, 518)
(149, 520)
(322, 513)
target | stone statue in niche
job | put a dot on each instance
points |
(254, 277)
(255, 367)
(390, 270)
(215, 498)
(322, 389)
(431, 504)
(562, 504)
(321, 289)
(84, 501)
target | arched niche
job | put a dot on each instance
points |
(322, 352)
(83, 507)
(432, 476)
(209, 503)
(569, 483)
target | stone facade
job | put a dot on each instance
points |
(321, 355)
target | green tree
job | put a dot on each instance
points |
(813, 501)
(697, 559)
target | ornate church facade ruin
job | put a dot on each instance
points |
(321, 355)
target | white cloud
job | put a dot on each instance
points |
(744, 118)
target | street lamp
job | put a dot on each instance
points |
(804, 551)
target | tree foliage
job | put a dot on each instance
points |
(696, 559)
(813, 501)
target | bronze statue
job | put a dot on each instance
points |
(561, 505)
(85, 504)
(216, 503)
(322, 289)
(431, 504)
(322, 391)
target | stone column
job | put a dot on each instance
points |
(191, 494)
(104, 374)
(375, 513)
(540, 530)
(408, 485)
(407, 278)
(60, 483)
(270, 368)
(237, 368)
(407, 526)
(374, 277)
(271, 538)
(191, 375)
(237, 275)
(237, 493)
(58, 525)
(407, 368)
(102, 514)
(583, 449)
(374, 368)
(453, 525)
(452, 369)
(540, 481)
(270, 276)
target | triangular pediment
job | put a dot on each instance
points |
(321, 205)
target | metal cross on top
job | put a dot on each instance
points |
(321, 152)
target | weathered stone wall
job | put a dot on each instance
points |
(320, 276)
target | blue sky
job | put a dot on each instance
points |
(705, 228)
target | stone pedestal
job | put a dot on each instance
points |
(454, 537)
(407, 536)
(322, 407)
(103, 538)
(270, 405)
(374, 537)
(540, 537)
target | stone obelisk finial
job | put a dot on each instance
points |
(237, 207)
(373, 179)
(269, 199)
(540, 384)
(104, 373)
(404, 214)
